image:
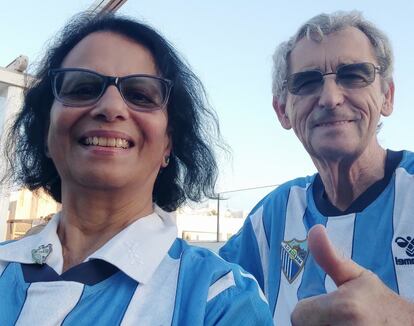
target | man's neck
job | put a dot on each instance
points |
(346, 179)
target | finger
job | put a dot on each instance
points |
(340, 269)
(312, 311)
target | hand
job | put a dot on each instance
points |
(361, 297)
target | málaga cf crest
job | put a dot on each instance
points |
(293, 255)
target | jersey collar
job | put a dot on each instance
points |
(137, 250)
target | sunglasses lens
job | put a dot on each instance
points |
(144, 92)
(77, 88)
(356, 75)
(304, 83)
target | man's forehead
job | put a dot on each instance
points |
(347, 45)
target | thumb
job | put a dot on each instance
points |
(340, 269)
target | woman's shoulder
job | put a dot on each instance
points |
(202, 256)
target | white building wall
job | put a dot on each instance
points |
(11, 96)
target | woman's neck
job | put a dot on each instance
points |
(89, 220)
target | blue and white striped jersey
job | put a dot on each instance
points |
(142, 276)
(377, 232)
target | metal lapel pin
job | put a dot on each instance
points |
(40, 254)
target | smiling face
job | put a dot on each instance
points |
(335, 122)
(108, 146)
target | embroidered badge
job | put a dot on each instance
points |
(40, 254)
(293, 256)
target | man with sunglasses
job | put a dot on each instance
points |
(335, 248)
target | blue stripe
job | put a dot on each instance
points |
(104, 303)
(243, 249)
(175, 252)
(372, 245)
(80, 298)
(13, 294)
(176, 249)
(313, 278)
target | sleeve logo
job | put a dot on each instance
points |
(408, 244)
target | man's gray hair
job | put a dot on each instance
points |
(325, 24)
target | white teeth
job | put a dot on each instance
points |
(106, 142)
(333, 123)
(102, 141)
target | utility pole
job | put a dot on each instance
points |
(105, 6)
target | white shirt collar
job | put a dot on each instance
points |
(137, 250)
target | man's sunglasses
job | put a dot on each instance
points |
(78, 87)
(355, 75)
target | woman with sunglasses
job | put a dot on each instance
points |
(117, 129)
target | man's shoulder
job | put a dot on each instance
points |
(6, 242)
(407, 162)
(281, 193)
(301, 182)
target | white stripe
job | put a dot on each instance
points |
(3, 266)
(247, 275)
(48, 303)
(283, 255)
(221, 285)
(294, 229)
(340, 232)
(259, 231)
(403, 227)
(153, 302)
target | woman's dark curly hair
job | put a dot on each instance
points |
(192, 170)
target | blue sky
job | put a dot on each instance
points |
(229, 44)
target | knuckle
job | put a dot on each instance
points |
(350, 309)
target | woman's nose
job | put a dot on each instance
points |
(111, 106)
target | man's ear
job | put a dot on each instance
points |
(388, 105)
(280, 110)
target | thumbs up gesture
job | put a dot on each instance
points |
(361, 297)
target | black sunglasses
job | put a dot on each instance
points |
(78, 87)
(355, 75)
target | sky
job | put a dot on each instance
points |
(229, 45)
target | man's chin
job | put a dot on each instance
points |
(334, 153)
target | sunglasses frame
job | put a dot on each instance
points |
(286, 83)
(109, 81)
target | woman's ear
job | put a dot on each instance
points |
(167, 152)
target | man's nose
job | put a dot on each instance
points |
(331, 94)
(111, 106)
